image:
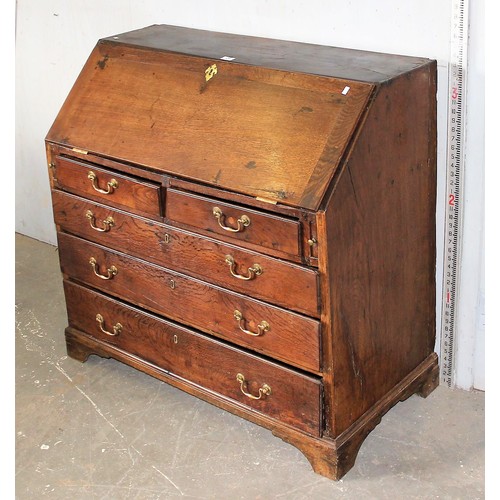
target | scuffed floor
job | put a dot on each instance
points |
(104, 430)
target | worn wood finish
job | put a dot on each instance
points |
(335, 457)
(265, 230)
(294, 398)
(210, 191)
(378, 240)
(145, 106)
(291, 337)
(306, 219)
(197, 256)
(332, 458)
(130, 193)
(118, 166)
(331, 154)
(349, 64)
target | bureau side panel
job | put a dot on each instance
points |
(379, 245)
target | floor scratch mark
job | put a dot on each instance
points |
(96, 408)
(168, 479)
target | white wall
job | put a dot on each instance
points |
(55, 37)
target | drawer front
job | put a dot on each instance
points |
(284, 394)
(289, 337)
(108, 186)
(246, 226)
(280, 283)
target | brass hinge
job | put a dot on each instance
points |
(266, 200)
(81, 151)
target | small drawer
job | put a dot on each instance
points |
(264, 328)
(206, 258)
(107, 186)
(257, 230)
(245, 379)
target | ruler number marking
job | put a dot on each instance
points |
(456, 113)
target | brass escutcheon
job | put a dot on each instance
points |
(210, 72)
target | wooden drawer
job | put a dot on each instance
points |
(293, 398)
(291, 338)
(107, 186)
(257, 230)
(280, 282)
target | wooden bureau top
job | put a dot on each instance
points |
(273, 123)
(349, 64)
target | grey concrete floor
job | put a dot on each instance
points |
(104, 430)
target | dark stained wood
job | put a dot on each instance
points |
(284, 55)
(265, 230)
(378, 238)
(141, 196)
(291, 337)
(294, 398)
(330, 152)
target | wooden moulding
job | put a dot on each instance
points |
(331, 458)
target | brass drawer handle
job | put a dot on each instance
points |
(116, 329)
(253, 271)
(265, 390)
(243, 221)
(261, 328)
(108, 222)
(112, 271)
(111, 185)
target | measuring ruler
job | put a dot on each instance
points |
(454, 176)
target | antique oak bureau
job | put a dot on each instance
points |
(253, 222)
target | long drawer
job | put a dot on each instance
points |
(289, 337)
(266, 387)
(279, 283)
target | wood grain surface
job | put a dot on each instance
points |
(330, 153)
(276, 135)
(280, 283)
(142, 196)
(379, 251)
(294, 398)
(292, 337)
(280, 234)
